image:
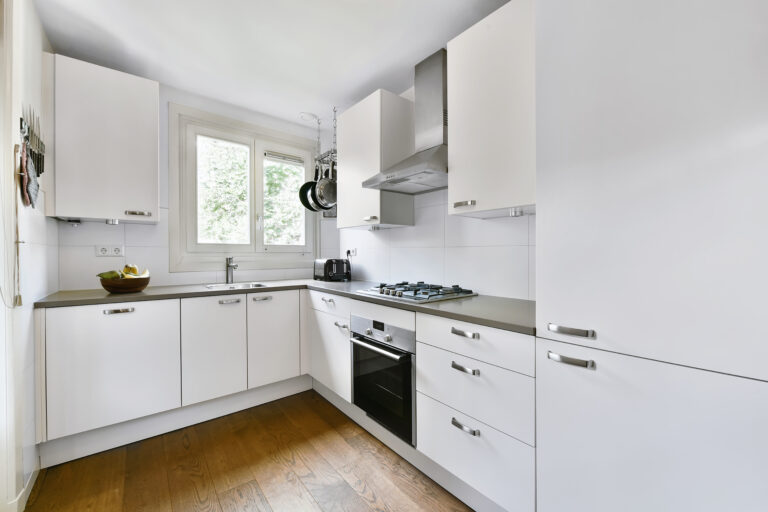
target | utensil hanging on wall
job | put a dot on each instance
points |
(320, 194)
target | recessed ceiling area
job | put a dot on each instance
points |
(276, 57)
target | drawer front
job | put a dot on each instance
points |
(391, 316)
(330, 303)
(501, 398)
(495, 464)
(510, 350)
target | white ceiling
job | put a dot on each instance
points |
(276, 57)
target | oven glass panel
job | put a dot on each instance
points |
(382, 387)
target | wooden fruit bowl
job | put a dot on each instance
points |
(130, 285)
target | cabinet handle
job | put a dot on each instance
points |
(341, 326)
(370, 218)
(373, 348)
(328, 301)
(140, 213)
(229, 301)
(471, 202)
(583, 363)
(471, 431)
(470, 335)
(262, 299)
(464, 369)
(118, 311)
(570, 331)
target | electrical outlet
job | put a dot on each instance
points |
(106, 251)
(351, 252)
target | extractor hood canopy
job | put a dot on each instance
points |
(427, 169)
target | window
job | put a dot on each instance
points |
(234, 192)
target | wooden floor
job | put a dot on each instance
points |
(298, 453)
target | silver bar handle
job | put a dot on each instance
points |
(385, 353)
(118, 311)
(582, 363)
(370, 218)
(327, 301)
(471, 431)
(140, 213)
(457, 366)
(459, 204)
(570, 331)
(341, 326)
(229, 301)
(262, 299)
(466, 334)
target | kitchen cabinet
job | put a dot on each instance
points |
(633, 434)
(109, 363)
(214, 347)
(331, 359)
(273, 337)
(492, 114)
(106, 143)
(373, 135)
(650, 185)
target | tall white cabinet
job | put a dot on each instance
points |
(492, 114)
(106, 143)
(374, 134)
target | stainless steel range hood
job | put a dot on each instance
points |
(427, 169)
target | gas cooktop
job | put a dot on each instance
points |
(419, 292)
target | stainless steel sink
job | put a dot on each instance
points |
(233, 286)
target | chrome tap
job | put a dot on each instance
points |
(231, 267)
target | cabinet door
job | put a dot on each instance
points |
(110, 363)
(374, 134)
(492, 113)
(640, 435)
(651, 179)
(331, 353)
(214, 348)
(106, 140)
(273, 337)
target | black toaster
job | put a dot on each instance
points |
(332, 269)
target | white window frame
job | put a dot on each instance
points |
(186, 254)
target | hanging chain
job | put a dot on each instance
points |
(318, 138)
(334, 134)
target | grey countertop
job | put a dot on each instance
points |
(502, 313)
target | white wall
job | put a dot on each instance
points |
(492, 257)
(147, 245)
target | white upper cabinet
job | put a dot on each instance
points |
(636, 435)
(652, 154)
(373, 135)
(106, 143)
(492, 114)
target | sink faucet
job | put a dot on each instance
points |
(231, 267)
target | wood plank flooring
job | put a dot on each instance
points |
(298, 453)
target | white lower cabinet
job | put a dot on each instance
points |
(495, 464)
(273, 337)
(110, 363)
(330, 352)
(638, 435)
(214, 348)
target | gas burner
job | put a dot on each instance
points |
(418, 292)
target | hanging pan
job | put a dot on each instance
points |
(304, 191)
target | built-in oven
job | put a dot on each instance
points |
(384, 375)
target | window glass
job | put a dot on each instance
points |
(223, 192)
(283, 213)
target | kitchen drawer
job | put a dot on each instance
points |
(480, 396)
(498, 466)
(507, 349)
(390, 316)
(330, 303)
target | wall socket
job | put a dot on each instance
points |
(105, 251)
(351, 252)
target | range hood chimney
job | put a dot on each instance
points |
(427, 168)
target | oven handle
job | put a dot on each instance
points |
(385, 353)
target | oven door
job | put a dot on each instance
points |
(383, 385)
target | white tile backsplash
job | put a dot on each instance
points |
(91, 233)
(492, 256)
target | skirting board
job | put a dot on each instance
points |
(424, 464)
(94, 441)
(20, 503)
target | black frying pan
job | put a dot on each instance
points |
(305, 191)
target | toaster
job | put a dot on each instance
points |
(332, 269)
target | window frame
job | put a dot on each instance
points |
(186, 254)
